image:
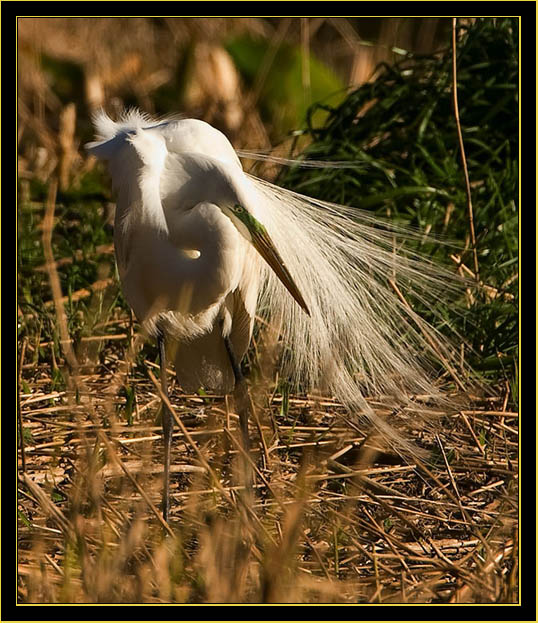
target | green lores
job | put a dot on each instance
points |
(250, 222)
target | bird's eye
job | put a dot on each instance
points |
(238, 209)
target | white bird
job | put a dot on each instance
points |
(202, 247)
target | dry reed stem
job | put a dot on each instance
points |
(222, 490)
(97, 286)
(443, 555)
(137, 486)
(462, 149)
(58, 301)
(344, 533)
(19, 411)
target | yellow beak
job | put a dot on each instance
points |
(262, 242)
(266, 248)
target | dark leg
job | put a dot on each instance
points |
(243, 407)
(168, 427)
(242, 402)
(241, 392)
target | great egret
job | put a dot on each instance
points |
(201, 247)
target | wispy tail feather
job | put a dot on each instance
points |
(362, 338)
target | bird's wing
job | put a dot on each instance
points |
(175, 165)
(202, 360)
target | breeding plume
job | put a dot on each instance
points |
(202, 248)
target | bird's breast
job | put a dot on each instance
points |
(188, 271)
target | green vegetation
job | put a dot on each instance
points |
(399, 133)
(337, 517)
(284, 97)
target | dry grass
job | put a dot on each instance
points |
(333, 519)
(336, 517)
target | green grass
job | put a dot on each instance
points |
(399, 134)
(78, 238)
(320, 535)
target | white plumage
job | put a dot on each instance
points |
(183, 264)
(187, 265)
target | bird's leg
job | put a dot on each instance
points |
(241, 392)
(168, 427)
(243, 407)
